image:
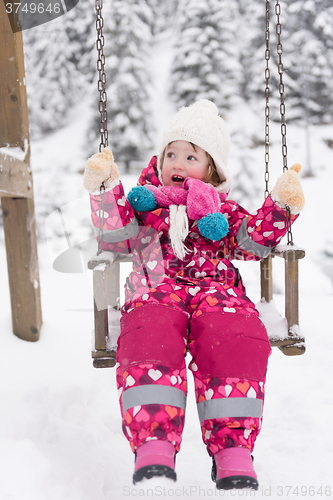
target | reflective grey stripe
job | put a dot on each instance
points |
(122, 234)
(229, 407)
(153, 394)
(245, 243)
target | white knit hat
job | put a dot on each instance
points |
(201, 124)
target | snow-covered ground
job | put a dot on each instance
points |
(60, 429)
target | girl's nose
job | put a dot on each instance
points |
(179, 165)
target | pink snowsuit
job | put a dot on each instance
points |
(197, 305)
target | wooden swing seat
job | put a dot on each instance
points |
(292, 342)
(106, 284)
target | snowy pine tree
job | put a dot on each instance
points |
(81, 31)
(251, 39)
(54, 84)
(163, 14)
(206, 61)
(309, 59)
(127, 41)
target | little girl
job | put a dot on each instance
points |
(184, 294)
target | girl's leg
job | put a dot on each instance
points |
(230, 353)
(151, 374)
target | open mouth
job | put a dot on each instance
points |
(177, 178)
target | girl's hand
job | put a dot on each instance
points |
(100, 168)
(288, 190)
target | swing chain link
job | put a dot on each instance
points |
(102, 108)
(281, 86)
(103, 129)
(290, 240)
(267, 96)
(101, 220)
(282, 111)
(282, 104)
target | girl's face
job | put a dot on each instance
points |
(181, 160)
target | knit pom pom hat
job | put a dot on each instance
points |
(201, 124)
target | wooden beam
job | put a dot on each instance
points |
(18, 213)
(100, 309)
(266, 278)
(15, 177)
(292, 291)
(22, 263)
(14, 125)
(298, 253)
(292, 301)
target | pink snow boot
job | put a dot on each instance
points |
(233, 468)
(155, 458)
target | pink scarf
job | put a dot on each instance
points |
(200, 198)
(194, 199)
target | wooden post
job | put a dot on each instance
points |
(16, 187)
(291, 295)
(100, 309)
(292, 301)
(266, 278)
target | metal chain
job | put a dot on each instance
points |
(102, 108)
(282, 104)
(101, 75)
(101, 220)
(267, 95)
(290, 240)
(281, 86)
(283, 112)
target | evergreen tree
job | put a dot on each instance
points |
(246, 155)
(309, 60)
(81, 32)
(127, 41)
(251, 42)
(163, 14)
(206, 61)
(54, 84)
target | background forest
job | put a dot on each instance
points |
(219, 54)
(211, 48)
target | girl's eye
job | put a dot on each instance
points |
(170, 155)
(191, 158)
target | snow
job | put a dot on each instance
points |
(285, 248)
(60, 427)
(276, 325)
(61, 436)
(15, 152)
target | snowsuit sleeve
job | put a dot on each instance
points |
(120, 226)
(253, 236)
